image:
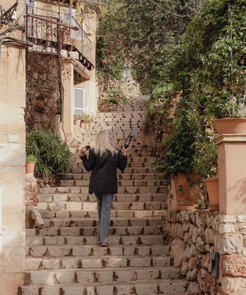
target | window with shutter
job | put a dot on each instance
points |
(78, 100)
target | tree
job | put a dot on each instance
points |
(148, 27)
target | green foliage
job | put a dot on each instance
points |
(147, 29)
(125, 101)
(207, 66)
(112, 100)
(31, 158)
(52, 154)
(163, 217)
(189, 148)
(115, 91)
(202, 204)
(77, 116)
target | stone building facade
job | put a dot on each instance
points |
(61, 74)
(12, 158)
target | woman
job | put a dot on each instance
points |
(103, 160)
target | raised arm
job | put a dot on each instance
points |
(88, 160)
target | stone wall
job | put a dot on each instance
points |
(193, 236)
(43, 100)
(31, 198)
(233, 253)
(12, 161)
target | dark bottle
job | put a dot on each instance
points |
(87, 147)
(128, 140)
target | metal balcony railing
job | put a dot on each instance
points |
(50, 32)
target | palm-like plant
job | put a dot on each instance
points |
(52, 153)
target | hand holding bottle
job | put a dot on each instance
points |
(123, 150)
(128, 140)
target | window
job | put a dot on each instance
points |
(78, 100)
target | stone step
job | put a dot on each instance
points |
(76, 156)
(92, 251)
(135, 145)
(125, 176)
(135, 170)
(85, 276)
(121, 183)
(121, 190)
(69, 197)
(63, 219)
(54, 208)
(147, 164)
(133, 116)
(143, 287)
(133, 161)
(94, 262)
(46, 204)
(127, 116)
(92, 231)
(135, 150)
(93, 240)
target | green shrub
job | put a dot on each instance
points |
(105, 99)
(114, 100)
(125, 101)
(52, 153)
(76, 116)
(115, 91)
(31, 158)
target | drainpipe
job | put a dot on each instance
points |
(1, 226)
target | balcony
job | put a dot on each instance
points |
(52, 33)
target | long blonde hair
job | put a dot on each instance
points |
(103, 144)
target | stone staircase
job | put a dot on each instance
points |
(64, 258)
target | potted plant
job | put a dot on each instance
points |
(212, 185)
(87, 121)
(92, 122)
(82, 120)
(236, 124)
(180, 158)
(31, 160)
(76, 119)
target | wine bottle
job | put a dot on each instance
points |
(128, 140)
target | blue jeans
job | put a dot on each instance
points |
(104, 201)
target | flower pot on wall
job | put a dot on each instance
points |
(77, 122)
(82, 124)
(185, 194)
(30, 167)
(230, 126)
(213, 192)
(87, 125)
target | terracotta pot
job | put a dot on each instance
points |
(92, 124)
(213, 192)
(82, 124)
(230, 125)
(77, 122)
(87, 125)
(30, 167)
(186, 198)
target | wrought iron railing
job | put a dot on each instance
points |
(44, 29)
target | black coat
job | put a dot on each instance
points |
(103, 177)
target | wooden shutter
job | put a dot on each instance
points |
(78, 100)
